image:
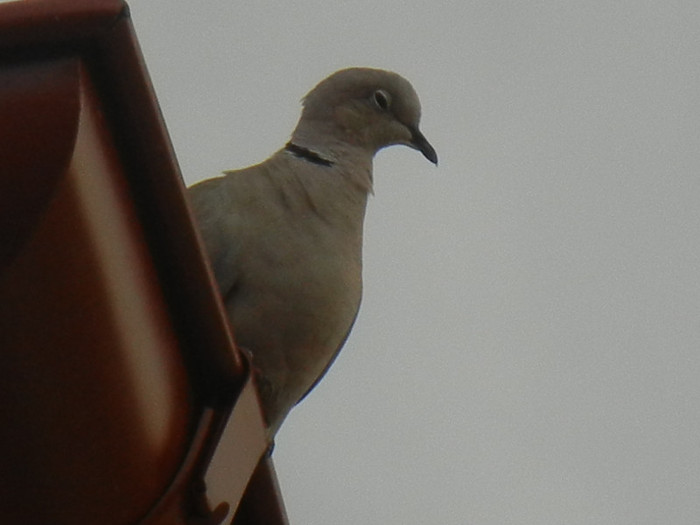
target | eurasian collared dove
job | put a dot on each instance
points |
(284, 237)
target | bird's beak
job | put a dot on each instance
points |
(419, 142)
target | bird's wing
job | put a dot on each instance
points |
(215, 219)
(332, 359)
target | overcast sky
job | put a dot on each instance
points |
(528, 347)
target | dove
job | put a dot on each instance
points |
(284, 237)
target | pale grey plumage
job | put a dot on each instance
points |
(284, 237)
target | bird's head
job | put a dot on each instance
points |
(365, 108)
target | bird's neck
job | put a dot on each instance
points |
(321, 146)
(308, 154)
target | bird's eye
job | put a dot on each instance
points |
(382, 99)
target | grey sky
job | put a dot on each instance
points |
(528, 348)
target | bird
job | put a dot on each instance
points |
(284, 237)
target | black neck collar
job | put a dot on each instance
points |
(307, 154)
